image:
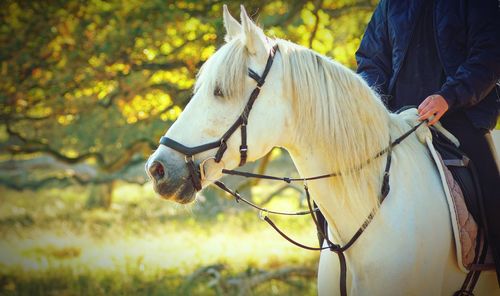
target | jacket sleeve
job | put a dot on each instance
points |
(477, 75)
(374, 53)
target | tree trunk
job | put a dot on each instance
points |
(100, 196)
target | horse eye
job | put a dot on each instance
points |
(218, 92)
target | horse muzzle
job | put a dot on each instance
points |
(171, 180)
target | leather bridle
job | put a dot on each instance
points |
(197, 173)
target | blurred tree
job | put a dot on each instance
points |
(97, 82)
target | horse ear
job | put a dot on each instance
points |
(254, 37)
(233, 28)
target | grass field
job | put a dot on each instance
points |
(52, 245)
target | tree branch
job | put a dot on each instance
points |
(245, 283)
(28, 146)
(287, 18)
(317, 7)
(361, 5)
(159, 66)
(33, 146)
(53, 173)
(121, 160)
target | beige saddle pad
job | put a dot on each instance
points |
(465, 228)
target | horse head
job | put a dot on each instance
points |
(219, 114)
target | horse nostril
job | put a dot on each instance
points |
(157, 170)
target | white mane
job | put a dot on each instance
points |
(349, 121)
(226, 69)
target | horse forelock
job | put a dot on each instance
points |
(226, 70)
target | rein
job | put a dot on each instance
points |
(336, 248)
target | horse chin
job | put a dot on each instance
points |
(184, 193)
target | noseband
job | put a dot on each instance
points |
(242, 121)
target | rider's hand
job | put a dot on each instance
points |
(433, 105)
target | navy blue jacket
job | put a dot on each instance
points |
(468, 45)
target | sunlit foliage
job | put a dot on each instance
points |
(86, 89)
(100, 81)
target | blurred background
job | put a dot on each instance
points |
(87, 88)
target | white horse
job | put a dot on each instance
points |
(329, 120)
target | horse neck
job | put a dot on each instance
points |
(328, 194)
(346, 201)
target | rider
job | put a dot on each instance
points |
(444, 57)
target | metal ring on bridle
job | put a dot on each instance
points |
(202, 167)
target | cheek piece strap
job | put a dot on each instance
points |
(241, 122)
